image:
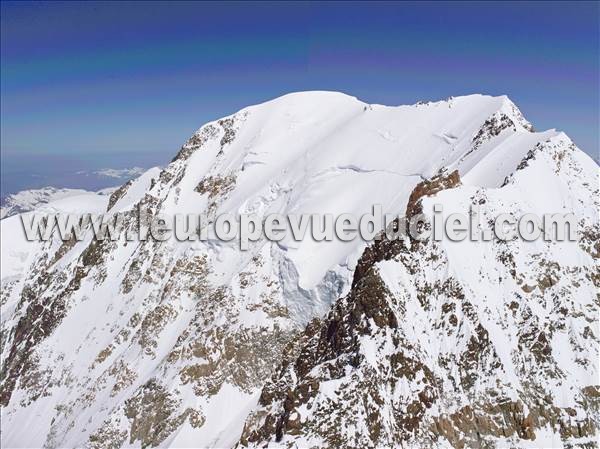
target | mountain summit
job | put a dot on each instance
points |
(109, 344)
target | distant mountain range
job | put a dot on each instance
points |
(29, 200)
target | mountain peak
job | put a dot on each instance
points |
(149, 343)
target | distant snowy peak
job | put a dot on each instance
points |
(116, 173)
(120, 173)
(28, 200)
(32, 199)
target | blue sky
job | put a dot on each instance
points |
(93, 81)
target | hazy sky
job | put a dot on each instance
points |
(88, 79)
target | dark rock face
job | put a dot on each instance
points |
(385, 249)
(118, 194)
(429, 188)
(492, 128)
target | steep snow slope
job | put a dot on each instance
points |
(110, 344)
(18, 253)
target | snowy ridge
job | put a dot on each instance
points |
(127, 344)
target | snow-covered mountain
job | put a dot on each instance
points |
(120, 173)
(28, 200)
(317, 344)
